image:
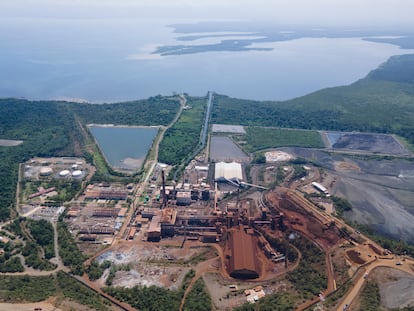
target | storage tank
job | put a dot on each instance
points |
(64, 173)
(77, 173)
(46, 171)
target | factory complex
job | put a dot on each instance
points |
(225, 215)
(209, 205)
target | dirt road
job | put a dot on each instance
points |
(202, 267)
(349, 298)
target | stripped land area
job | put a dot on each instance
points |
(381, 191)
(365, 142)
(10, 142)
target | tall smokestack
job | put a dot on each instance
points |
(164, 197)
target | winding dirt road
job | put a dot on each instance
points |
(406, 266)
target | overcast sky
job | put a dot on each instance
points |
(322, 12)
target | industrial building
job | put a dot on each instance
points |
(105, 193)
(106, 212)
(183, 197)
(168, 218)
(226, 128)
(228, 171)
(97, 230)
(154, 230)
(320, 188)
(41, 191)
(243, 263)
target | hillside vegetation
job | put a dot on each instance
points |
(183, 137)
(46, 128)
(156, 110)
(382, 102)
(50, 128)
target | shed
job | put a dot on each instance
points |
(243, 260)
(228, 171)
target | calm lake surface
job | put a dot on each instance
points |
(124, 147)
(107, 60)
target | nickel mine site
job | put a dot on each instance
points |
(242, 227)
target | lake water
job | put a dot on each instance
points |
(124, 147)
(106, 60)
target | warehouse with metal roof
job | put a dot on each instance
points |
(228, 171)
(243, 263)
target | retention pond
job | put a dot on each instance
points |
(124, 147)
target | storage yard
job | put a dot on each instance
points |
(46, 179)
(55, 168)
(366, 142)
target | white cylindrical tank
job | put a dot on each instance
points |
(64, 173)
(77, 173)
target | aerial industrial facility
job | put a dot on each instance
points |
(218, 208)
(206, 206)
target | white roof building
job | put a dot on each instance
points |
(320, 187)
(225, 128)
(230, 171)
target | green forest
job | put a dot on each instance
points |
(37, 247)
(183, 137)
(47, 128)
(156, 110)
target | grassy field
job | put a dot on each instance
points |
(259, 138)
